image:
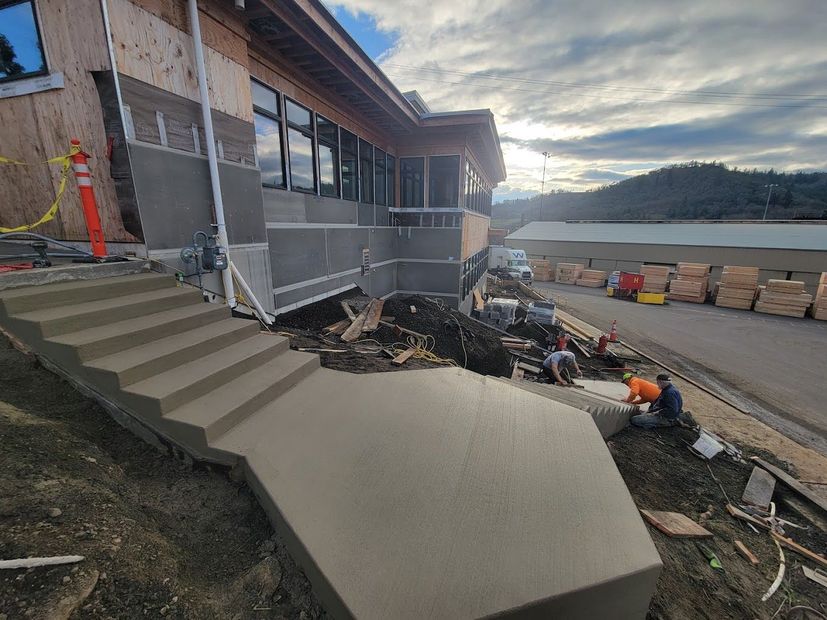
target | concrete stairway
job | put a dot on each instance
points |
(185, 368)
(430, 493)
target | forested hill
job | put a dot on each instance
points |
(680, 192)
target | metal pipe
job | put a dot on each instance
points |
(212, 155)
(248, 293)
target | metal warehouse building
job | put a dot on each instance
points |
(785, 250)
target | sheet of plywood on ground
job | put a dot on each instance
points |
(39, 126)
(759, 489)
(675, 524)
(791, 482)
(153, 51)
(374, 315)
(474, 233)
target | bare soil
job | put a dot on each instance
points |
(160, 537)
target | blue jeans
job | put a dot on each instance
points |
(651, 420)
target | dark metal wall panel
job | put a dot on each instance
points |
(382, 244)
(322, 210)
(281, 206)
(345, 247)
(431, 277)
(296, 255)
(366, 215)
(433, 243)
(175, 197)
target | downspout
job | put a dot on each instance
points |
(212, 156)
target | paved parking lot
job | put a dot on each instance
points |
(774, 367)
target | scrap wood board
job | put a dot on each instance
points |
(374, 315)
(791, 482)
(403, 357)
(759, 489)
(675, 524)
(355, 330)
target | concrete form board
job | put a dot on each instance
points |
(483, 505)
(175, 197)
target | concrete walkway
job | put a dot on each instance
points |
(432, 493)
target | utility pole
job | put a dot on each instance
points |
(769, 194)
(546, 155)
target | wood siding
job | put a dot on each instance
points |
(474, 233)
(40, 125)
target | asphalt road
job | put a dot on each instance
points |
(774, 367)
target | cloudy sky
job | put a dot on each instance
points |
(617, 87)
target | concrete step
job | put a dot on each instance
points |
(162, 393)
(66, 319)
(215, 413)
(146, 360)
(74, 272)
(18, 301)
(96, 342)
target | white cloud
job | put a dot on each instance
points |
(631, 51)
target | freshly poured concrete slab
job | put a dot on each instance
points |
(610, 415)
(444, 494)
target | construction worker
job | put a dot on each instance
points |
(556, 366)
(667, 410)
(640, 390)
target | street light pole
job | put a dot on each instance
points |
(546, 155)
(769, 194)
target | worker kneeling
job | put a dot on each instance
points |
(666, 410)
(640, 390)
(556, 367)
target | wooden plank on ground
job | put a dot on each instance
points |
(337, 328)
(791, 482)
(374, 316)
(355, 329)
(517, 373)
(799, 549)
(348, 311)
(403, 357)
(580, 348)
(675, 524)
(740, 514)
(479, 304)
(529, 368)
(759, 489)
(748, 555)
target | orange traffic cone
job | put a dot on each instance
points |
(613, 332)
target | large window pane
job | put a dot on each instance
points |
(349, 165)
(412, 181)
(380, 166)
(391, 172)
(265, 98)
(298, 115)
(268, 147)
(329, 170)
(300, 146)
(327, 131)
(21, 49)
(443, 181)
(365, 172)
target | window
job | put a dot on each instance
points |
(21, 47)
(300, 147)
(267, 119)
(443, 181)
(350, 166)
(391, 172)
(381, 175)
(365, 172)
(328, 153)
(412, 181)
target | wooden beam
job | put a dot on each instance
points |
(355, 330)
(403, 357)
(374, 316)
(791, 482)
(799, 549)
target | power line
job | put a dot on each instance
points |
(631, 99)
(699, 93)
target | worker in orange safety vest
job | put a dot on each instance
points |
(640, 390)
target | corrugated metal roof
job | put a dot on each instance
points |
(737, 235)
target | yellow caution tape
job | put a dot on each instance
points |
(66, 162)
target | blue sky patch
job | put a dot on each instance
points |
(362, 27)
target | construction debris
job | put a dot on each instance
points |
(803, 551)
(675, 524)
(759, 489)
(745, 552)
(36, 562)
(710, 555)
(791, 482)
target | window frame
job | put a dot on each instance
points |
(369, 170)
(458, 180)
(38, 32)
(277, 117)
(390, 177)
(376, 167)
(288, 125)
(355, 154)
(337, 164)
(423, 187)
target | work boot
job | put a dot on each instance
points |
(686, 419)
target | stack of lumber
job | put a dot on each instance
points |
(593, 278)
(542, 269)
(568, 273)
(783, 297)
(691, 284)
(819, 310)
(655, 278)
(737, 287)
